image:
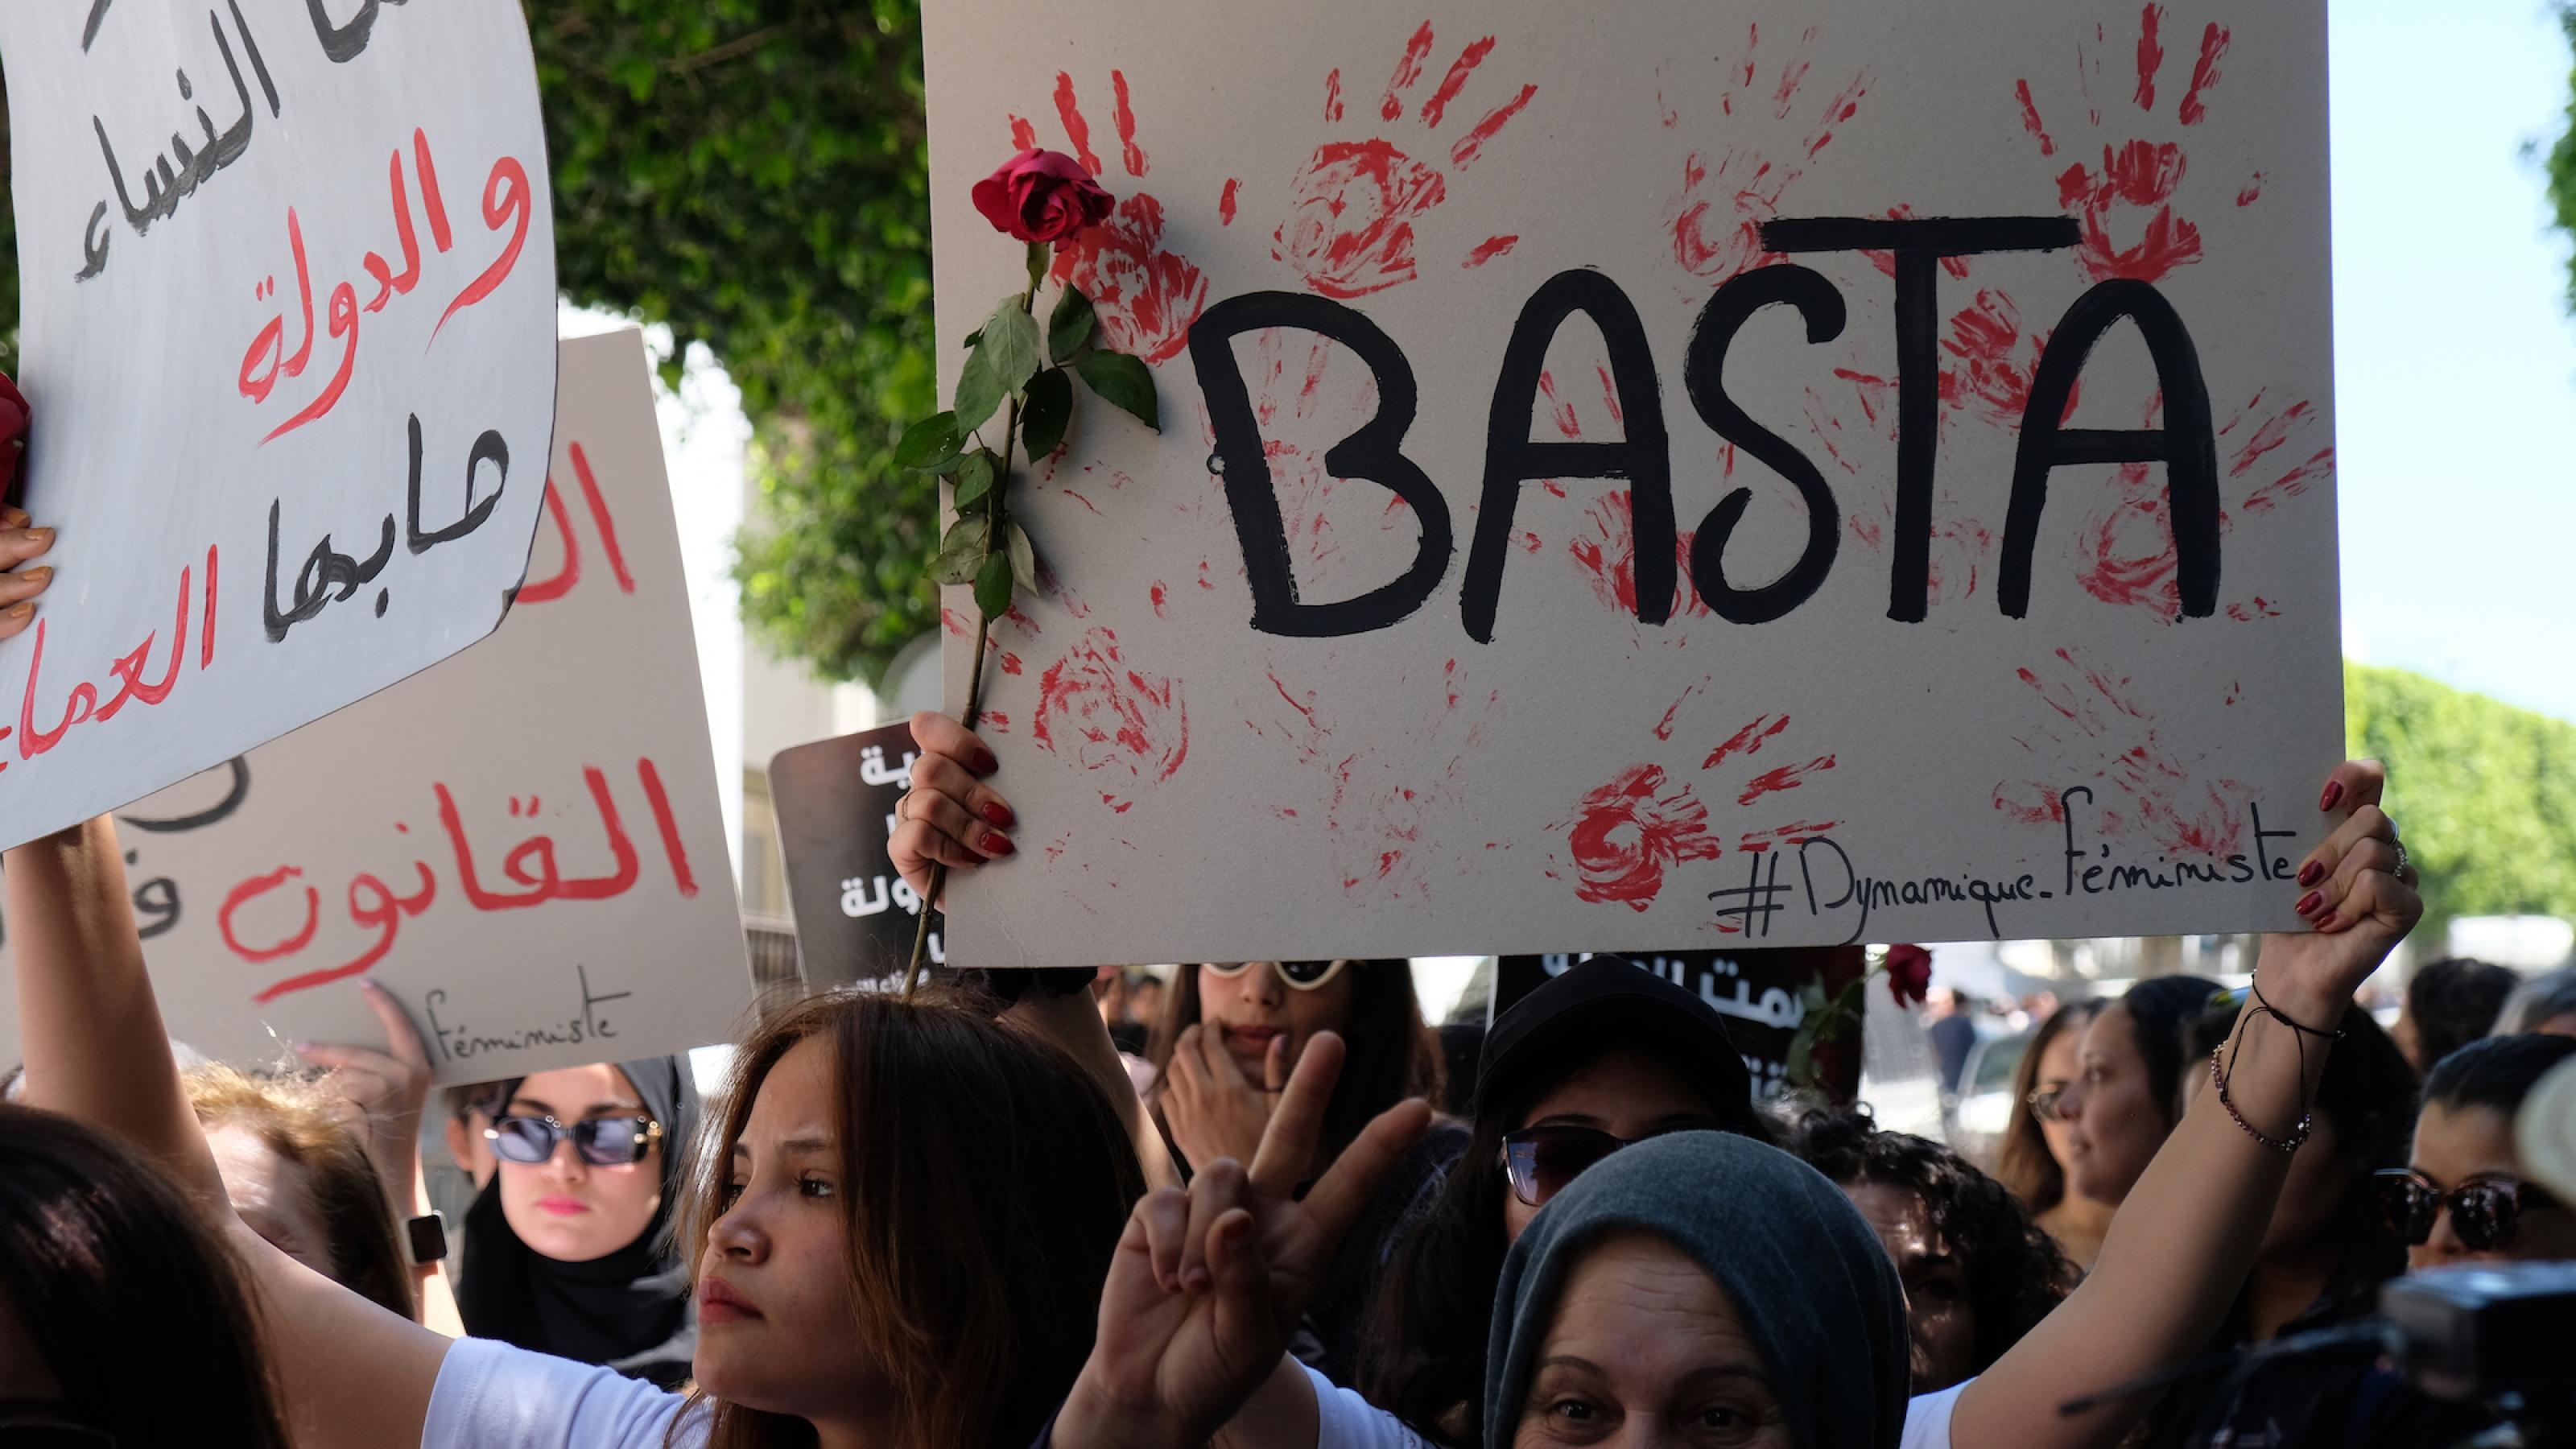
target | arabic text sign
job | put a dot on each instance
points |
(524, 844)
(855, 915)
(1668, 476)
(288, 334)
(1760, 993)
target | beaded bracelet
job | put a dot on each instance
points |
(2299, 1035)
(2298, 1136)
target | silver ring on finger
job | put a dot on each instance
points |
(2405, 871)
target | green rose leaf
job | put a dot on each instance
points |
(926, 442)
(1023, 556)
(1048, 411)
(979, 391)
(993, 587)
(974, 482)
(1070, 325)
(961, 553)
(1122, 382)
(1011, 346)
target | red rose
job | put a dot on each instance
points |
(13, 433)
(1909, 974)
(1042, 196)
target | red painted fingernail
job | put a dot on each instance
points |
(1001, 815)
(2311, 873)
(985, 764)
(2334, 793)
(2310, 902)
(993, 844)
(2326, 922)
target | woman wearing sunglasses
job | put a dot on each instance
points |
(2463, 1197)
(1229, 1035)
(568, 1242)
(2032, 1160)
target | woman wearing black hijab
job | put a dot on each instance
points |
(568, 1243)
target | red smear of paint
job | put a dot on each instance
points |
(1747, 740)
(1085, 502)
(1023, 135)
(1116, 805)
(2030, 118)
(1664, 727)
(2253, 191)
(1437, 108)
(1146, 297)
(1787, 777)
(1886, 261)
(2151, 55)
(955, 623)
(1490, 248)
(996, 721)
(1350, 232)
(1472, 145)
(1104, 714)
(1226, 201)
(1407, 71)
(2235, 691)
(1014, 615)
(2204, 74)
(1607, 555)
(1333, 95)
(1530, 543)
(1203, 577)
(2139, 177)
(2272, 434)
(1123, 116)
(2044, 808)
(2291, 484)
(1998, 361)
(1754, 842)
(2256, 608)
(1630, 831)
(1160, 597)
(1010, 662)
(2139, 784)
(1076, 129)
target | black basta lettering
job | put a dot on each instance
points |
(1704, 376)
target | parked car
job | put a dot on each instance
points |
(1986, 1101)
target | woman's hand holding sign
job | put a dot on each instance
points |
(20, 583)
(949, 816)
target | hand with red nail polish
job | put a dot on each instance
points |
(2355, 909)
(949, 816)
(21, 579)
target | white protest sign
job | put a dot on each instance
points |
(1661, 476)
(288, 327)
(523, 844)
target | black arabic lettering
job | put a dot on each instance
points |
(489, 448)
(220, 811)
(344, 43)
(324, 571)
(166, 182)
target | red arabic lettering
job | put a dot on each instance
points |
(505, 197)
(252, 889)
(344, 323)
(130, 668)
(440, 235)
(546, 591)
(599, 517)
(272, 337)
(669, 825)
(387, 913)
(82, 705)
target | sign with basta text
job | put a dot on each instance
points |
(523, 844)
(288, 289)
(1660, 476)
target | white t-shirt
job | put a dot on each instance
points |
(1344, 1420)
(491, 1395)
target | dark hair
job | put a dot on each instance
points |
(1392, 1054)
(2368, 1094)
(294, 1119)
(2160, 1008)
(2023, 1163)
(2015, 1273)
(2538, 1001)
(2453, 1002)
(977, 1297)
(2497, 1072)
(1435, 1304)
(132, 1301)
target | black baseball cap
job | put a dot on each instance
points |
(1612, 1001)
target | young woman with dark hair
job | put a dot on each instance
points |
(123, 1320)
(2465, 1196)
(2032, 1159)
(1977, 1272)
(2128, 1083)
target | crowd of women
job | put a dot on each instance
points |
(952, 1218)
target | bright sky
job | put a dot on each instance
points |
(2455, 359)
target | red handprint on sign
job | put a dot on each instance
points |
(1726, 194)
(1350, 229)
(2127, 202)
(1147, 296)
(2140, 784)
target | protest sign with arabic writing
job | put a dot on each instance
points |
(855, 915)
(1662, 475)
(287, 274)
(524, 844)
(1762, 995)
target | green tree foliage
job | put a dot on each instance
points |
(755, 175)
(2485, 794)
(2562, 157)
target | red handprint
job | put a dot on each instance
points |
(2127, 203)
(1102, 713)
(1716, 217)
(2140, 783)
(1605, 550)
(1350, 229)
(2128, 552)
(1147, 297)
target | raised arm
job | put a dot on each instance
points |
(2185, 1237)
(349, 1372)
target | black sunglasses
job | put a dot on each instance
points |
(601, 1141)
(1540, 1161)
(2485, 1212)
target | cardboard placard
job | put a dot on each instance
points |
(523, 844)
(288, 344)
(835, 799)
(1763, 475)
(1758, 992)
